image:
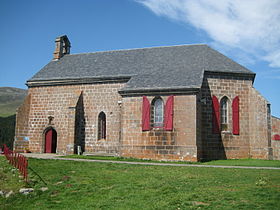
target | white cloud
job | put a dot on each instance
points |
(273, 58)
(250, 25)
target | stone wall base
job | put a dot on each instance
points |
(164, 153)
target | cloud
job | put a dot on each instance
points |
(274, 58)
(269, 74)
(252, 26)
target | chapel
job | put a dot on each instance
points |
(186, 102)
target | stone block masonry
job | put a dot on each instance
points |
(21, 142)
(252, 140)
(179, 144)
(61, 103)
(275, 140)
(259, 121)
(73, 110)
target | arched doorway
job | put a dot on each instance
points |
(50, 141)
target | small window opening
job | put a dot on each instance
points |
(157, 113)
(224, 114)
(101, 126)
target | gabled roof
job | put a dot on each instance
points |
(157, 68)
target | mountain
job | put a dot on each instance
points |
(10, 100)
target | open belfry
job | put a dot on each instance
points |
(186, 102)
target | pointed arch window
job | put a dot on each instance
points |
(224, 113)
(157, 112)
(101, 126)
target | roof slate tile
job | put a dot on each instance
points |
(149, 68)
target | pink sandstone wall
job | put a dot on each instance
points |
(179, 144)
(259, 119)
(21, 142)
(226, 145)
(275, 143)
(61, 103)
(75, 110)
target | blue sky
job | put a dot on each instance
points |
(246, 31)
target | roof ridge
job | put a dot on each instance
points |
(133, 49)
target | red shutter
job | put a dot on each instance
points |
(215, 115)
(276, 137)
(168, 114)
(145, 114)
(235, 116)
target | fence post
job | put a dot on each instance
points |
(18, 161)
(26, 167)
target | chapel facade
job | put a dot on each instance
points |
(185, 102)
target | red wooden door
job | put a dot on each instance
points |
(48, 141)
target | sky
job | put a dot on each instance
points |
(247, 31)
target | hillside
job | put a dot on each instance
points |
(7, 130)
(10, 99)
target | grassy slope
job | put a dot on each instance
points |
(7, 130)
(82, 185)
(9, 109)
(10, 99)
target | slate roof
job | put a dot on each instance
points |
(173, 67)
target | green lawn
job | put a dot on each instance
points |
(91, 185)
(246, 162)
(238, 162)
(9, 177)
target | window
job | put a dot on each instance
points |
(156, 115)
(101, 126)
(221, 113)
(157, 112)
(224, 113)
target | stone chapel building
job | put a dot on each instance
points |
(185, 102)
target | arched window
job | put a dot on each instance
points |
(157, 112)
(101, 126)
(224, 113)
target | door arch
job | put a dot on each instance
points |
(50, 141)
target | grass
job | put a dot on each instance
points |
(246, 162)
(92, 185)
(237, 162)
(9, 177)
